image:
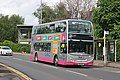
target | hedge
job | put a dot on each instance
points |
(118, 50)
(16, 47)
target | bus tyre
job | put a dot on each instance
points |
(36, 58)
(56, 61)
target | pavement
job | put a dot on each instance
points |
(6, 74)
(100, 63)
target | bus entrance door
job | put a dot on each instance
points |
(55, 45)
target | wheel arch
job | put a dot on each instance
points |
(55, 57)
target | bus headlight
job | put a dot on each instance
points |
(89, 56)
(72, 60)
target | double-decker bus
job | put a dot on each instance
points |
(64, 42)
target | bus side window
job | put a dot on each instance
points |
(46, 47)
(61, 27)
(36, 46)
(34, 30)
(52, 28)
(39, 30)
(49, 47)
(58, 28)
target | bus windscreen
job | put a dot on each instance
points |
(79, 27)
(80, 47)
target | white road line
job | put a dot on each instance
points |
(92, 78)
(108, 70)
(77, 73)
(50, 66)
(115, 71)
(18, 59)
(36, 63)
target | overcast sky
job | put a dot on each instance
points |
(24, 8)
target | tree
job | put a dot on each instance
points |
(80, 8)
(51, 14)
(61, 11)
(48, 14)
(8, 29)
(107, 16)
(67, 9)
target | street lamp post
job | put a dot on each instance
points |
(104, 48)
(41, 13)
(115, 51)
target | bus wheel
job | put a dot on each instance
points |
(36, 57)
(56, 61)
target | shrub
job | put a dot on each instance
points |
(118, 50)
(16, 47)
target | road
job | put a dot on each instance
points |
(43, 71)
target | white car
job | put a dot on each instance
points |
(5, 50)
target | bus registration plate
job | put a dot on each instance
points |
(80, 64)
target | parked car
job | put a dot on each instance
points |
(5, 50)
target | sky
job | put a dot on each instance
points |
(24, 8)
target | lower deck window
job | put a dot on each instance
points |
(42, 47)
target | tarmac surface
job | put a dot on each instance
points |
(8, 74)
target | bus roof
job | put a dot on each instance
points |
(63, 21)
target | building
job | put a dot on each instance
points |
(24, 34)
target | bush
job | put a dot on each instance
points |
(118, 50)
(16, 47)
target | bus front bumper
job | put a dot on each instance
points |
(77, 63)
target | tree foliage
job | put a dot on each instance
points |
(8, 29)
(107, 16)
(61, 11)
(67, 9)
(80, 8)
(47, 13)
(51, 14)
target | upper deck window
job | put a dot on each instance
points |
(82, 27)
(61, 27)
(58, 27)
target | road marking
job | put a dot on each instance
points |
(107, 70)
(115, 71)
(50, 66)
(36, 63)
(59, 69)
(17, 72)
(92, 78)
(77, 73)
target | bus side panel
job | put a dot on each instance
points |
(31, 57)
(42, 56)
(62, 59)
(45, 56)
